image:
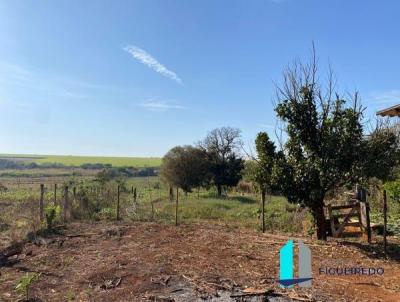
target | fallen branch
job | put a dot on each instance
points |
(253, 292)
(28, 270)
(9, 252)
(294, 296)
(81, 235)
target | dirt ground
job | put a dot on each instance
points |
(197, 262)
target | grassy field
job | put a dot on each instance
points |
(67, 160)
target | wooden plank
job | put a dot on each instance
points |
(343, 224)
(350, 206)
(342, 215)
(354, 224)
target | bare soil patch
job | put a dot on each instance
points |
(196, 262)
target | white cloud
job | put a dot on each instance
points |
(269, 126)
(151, 62)
(382, 98)
(160, 106)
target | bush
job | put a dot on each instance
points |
(393, 190)
(107, 213)
(52, 213)
(25, 282)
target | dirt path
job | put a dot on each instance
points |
(153, 262)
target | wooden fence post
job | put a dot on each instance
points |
(176, 206)
(55, 194)
(263, 209)
(364, 213)
(66, 210)
(384, 222)
(367, 210)
(41, 205)
(171, 194)
(134, 195)
(118, 189)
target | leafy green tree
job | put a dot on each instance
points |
(265, 161)
(381, 153)
(225, 165)
(185, 167)
(325, 137)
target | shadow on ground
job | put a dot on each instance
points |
(376, 250)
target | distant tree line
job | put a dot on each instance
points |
(19, 165)
(6, 164)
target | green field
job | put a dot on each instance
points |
(69, 160)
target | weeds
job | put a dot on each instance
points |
(23, 284)
(53, 213)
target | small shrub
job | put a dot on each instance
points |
(393, 189)
(107, 213)
(53, 213)
(3, 188)
(25, 282)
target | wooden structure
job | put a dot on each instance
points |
(391, 111)
(352, 219)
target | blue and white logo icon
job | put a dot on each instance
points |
(286, 273)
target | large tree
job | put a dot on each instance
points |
(221, 147)
(185, 167)
(324, 146)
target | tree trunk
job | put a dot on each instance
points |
(219, 189)
(263, 193)
(319, 217)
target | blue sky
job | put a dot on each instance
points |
(135, 78)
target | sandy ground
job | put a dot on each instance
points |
(197, 262)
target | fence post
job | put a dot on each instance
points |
(263, 193)
(176, 206)
(171, 194)
(384, 222)
(367, 210)
(118, 189)
(66, 213)
(55, 194)
(41, 206)
(134, 195)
